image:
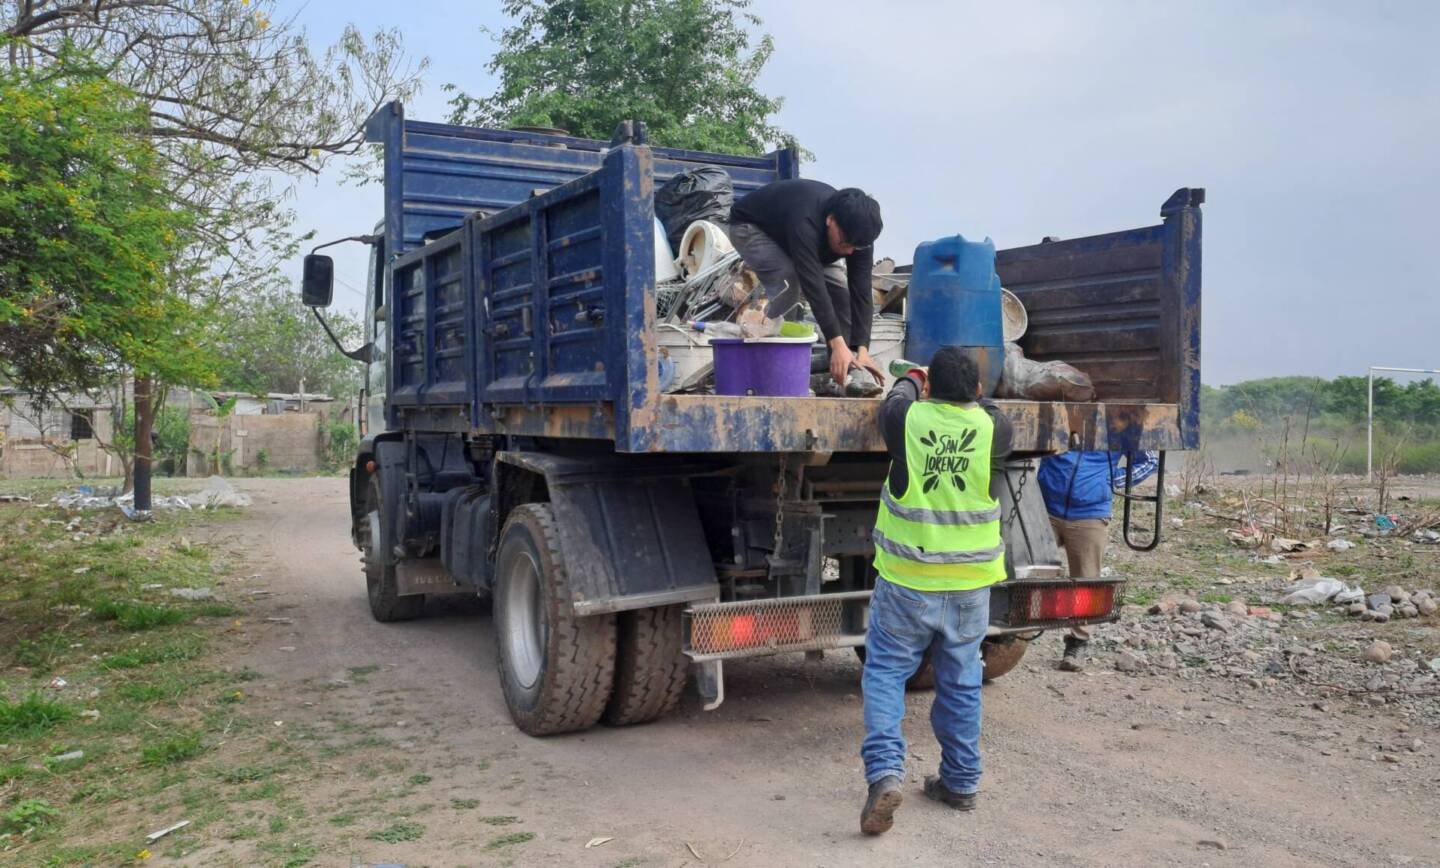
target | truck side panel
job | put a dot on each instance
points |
(437, 175)
(1122, 307)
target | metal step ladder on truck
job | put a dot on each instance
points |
(517, 444)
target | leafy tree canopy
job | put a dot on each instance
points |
(687, 68)
(267, 341)
(87, 234)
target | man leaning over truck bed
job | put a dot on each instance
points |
(937, 552)
(793, 234)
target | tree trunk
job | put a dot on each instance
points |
(144, 449)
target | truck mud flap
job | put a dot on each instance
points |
(631, 535)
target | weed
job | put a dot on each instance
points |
(14, 772)
(632, 862)
(137, 616)
(419, 780)
(29, 815)
(41, 652)
(153, 691)
(510, 840)
(32, 715)
(1215, 598)
(215, 610)
(264, 792)
(395, 833)
(358, 673)
(145, 655)
(244, 775)
(464, 804)
(1138, 596)
(243, 833)
(499, 821)
(277, 825)
(343, 820)
(174, 749)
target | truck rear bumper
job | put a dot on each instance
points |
(756, 628)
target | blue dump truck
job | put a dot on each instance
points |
(516, 442)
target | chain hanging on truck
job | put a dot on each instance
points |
(780, 491)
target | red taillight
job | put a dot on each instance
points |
(1061, 602)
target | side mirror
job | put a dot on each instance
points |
(318, 286)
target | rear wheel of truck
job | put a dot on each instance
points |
(1001, 655)
(381, 585)
(652, 668)
(557, 670)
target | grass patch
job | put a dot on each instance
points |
(464, 804)
(1216, 598)
(245, 775)
(134, 616)
(174, 749)
(146, 655)
(499, 821)
(32, 715)
(397, 832)
(510, 840)
(358, 673)
(343, 820)
(420, 780)
(28, 816)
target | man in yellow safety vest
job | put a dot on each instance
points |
(937, 552)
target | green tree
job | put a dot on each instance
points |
(687, 68)
(87, 234)
(267, 341)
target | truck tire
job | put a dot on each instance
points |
(924, 677)
(557, 670)
(652, 669)
(1001, 656)
(381, 586)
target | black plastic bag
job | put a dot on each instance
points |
(704, 193)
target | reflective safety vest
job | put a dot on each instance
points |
(944, 533)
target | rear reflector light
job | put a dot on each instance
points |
(1061, 602)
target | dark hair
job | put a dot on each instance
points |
(954, 376)
(857, 214)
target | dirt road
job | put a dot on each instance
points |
(1096, 768)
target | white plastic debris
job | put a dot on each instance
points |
(1309, 592)
(1349, 595)
(155, 836)
(1339, 545)
(218, 492)
(1172, 490)
(68, 757)
(193, 594)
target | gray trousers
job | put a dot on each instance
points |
(777, 274)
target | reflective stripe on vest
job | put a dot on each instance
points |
(943, 533)
(938, 516)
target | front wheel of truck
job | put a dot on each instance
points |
(557, 670)
(381, 585)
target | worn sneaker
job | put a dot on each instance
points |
(1074, 658)
(936, 789)
(861, 384)
(879, 813)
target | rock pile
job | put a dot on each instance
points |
(1393, 602)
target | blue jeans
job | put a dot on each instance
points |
(903, 624)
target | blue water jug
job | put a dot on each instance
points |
(954, 300)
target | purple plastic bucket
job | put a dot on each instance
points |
(777, 367)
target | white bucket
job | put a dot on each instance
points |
(665, 268)
(702, 245)
(887, 343)
(1014, 320)
(688, 350)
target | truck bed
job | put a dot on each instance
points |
(538, 319)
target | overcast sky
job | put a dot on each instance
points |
(1315, 128)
